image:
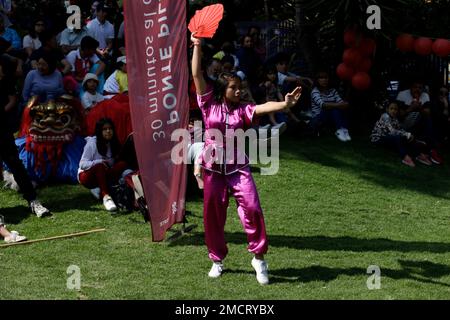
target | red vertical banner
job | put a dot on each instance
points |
(156, 44)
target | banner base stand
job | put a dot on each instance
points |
(184, 229)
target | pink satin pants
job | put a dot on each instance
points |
(216, 198)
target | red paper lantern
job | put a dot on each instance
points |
(365, 65)
(345, 72)
(361, 81)
(367, 47)
(441, 47)
(350, 37)
(423, 46)
(352, 57)
(405, 43)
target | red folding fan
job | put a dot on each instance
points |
(206, 21)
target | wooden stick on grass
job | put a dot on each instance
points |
(52, 238)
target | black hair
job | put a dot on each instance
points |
(243, 39)
(102, 7)
(228, 59)
(282, 57)
(8, 67)
(88, 43)
(258, 28)
(119, 65)
(51, 60)
(102, 145)
(228, 47)
(46, 36)
(221, 84)
(32, 31)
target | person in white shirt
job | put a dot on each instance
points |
(31, 41)
(83, 59)
(416, 116)
(90, 97)
(416, 103)
(103, 31)
(71, 38)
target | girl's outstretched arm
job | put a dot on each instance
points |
(290, 100)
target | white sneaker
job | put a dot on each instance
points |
(347, 135)
(15, 237)
(261, 268)
(96, 193)
(109, 203)
(216, 270)
(340, 134)
(38, 209)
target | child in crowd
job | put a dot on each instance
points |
(118, 81)
(84, 60)
(328, 105)
(388, 132)
(195, 148)
(98, 165)
(90, 97)
(271, 92)
(31, 41)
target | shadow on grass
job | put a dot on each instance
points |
(59, 205)
(373, 164)
(323, 243)
(421, 271)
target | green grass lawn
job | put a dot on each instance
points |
(333, 210)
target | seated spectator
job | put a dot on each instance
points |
(70, 39)
(84, 61)
(118, 81)
(388, 132)
(6, 8)
(90, 97)
(98, 166)
(45, 82)
(228, 65)
(102, 31)
(416, 102)
(228, 49)
(31, 41)
(50, 46)
(271, 92)
(10, 35)
(8, 150)
(286, 79)
(441, 113)
(415, 116)
(249, 61)
(327, 106)
(93, 11)
(121, 39)
(260, 48)
(9, 237)
(213, 69)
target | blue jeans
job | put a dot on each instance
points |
(400, 144)
(334, 115)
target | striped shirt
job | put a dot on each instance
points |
(318, 99)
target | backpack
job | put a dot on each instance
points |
(123, 196)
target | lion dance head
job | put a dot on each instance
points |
(49, 126)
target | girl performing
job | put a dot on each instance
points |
(222, 110)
